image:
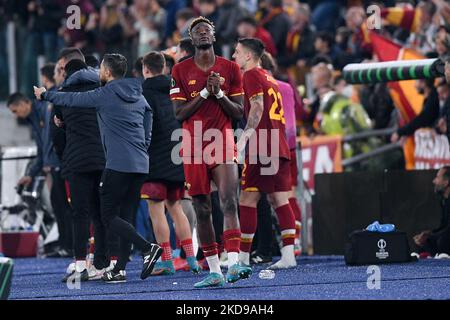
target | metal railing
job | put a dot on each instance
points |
(369, 134)
(373, 153)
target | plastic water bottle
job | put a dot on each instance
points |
(266, 274)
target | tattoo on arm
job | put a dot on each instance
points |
(256, 111)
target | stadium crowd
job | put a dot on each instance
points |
(299, 34)
(307, 44)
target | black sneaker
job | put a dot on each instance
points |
(114, 277)
(259, 259)
(150, 257)
(83, 276)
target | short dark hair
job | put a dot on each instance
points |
(116, 63)
(154, 61)
(71, 53)
(255, 45)
(326, 37)
(268, 63)
(92, 61)
(16, 98)
(170, 61)
(200, 20)
(48, 71)
(249, 20)
(137, 67)
(320, 59)
(186, 45)
(74, 66)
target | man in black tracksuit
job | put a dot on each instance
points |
(125, 122)
(83, 163)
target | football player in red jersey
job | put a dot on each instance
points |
(207, 94)
(289, 107)
(266, 133)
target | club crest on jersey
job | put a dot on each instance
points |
(192, 82)
(173, 83)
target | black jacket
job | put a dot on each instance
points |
(426, 118)
(445, 215)
(50, 20)
(305, 50)
(156, 92)
(36, 120)
(278, 28)
(83, 151)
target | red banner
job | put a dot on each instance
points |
(320, 154)
(431, 151)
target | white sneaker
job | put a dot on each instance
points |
(287, 259)
(71, 268)
(415, 255)
(442, 256)
(111, 265)
(94, 273)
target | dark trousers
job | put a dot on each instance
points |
(85, 195)
(62, 210)
(119, 196)
(264, 227)
(438, 242)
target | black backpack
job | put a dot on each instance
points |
(367, 248)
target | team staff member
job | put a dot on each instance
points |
(84, 162)
(125, 121)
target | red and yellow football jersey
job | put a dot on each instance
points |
(259, 82)
(187, 82)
